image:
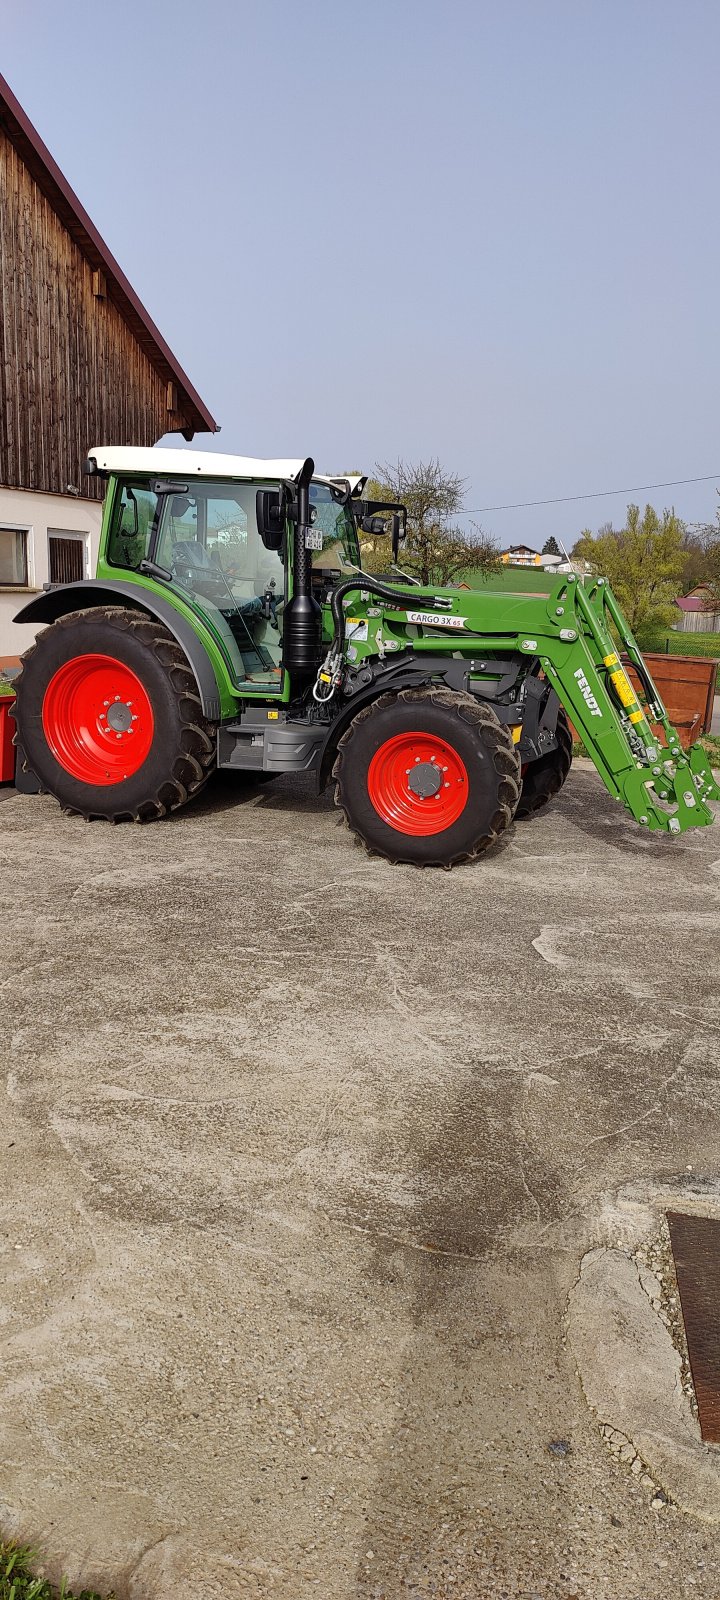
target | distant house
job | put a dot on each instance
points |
(81, 364)
(523, 555)
(697, 613)
(520, 555)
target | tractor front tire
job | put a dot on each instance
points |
(109, 717)
(427, 776)
(544, 778)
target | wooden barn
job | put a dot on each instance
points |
(698, 614)
(81, 363)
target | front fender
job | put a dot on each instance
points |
(57, 602)
(407, 673)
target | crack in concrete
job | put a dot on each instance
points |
(403, 1243)
(635, 1121)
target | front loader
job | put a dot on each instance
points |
(230, 624)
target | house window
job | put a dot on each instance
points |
(14, 557)
(66, 557)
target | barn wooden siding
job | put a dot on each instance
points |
(700, 622)
(72, 374)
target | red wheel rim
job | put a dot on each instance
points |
(418, 783)
(97, 719)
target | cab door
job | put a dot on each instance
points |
(207, 537)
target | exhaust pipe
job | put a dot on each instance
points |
(302, 631)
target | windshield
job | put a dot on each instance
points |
(340, 548)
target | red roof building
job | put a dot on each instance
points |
(698, 612)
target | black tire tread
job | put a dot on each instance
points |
(492, 733)
(197, 758)
(543, 779)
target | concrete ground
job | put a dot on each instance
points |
(333, 1248)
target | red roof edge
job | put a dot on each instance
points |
(53, 184)
(695, 602)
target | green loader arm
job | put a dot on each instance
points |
(664, 787)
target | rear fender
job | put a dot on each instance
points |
(57, 602)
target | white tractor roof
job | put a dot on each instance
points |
(191, 463)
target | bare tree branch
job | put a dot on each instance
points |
(437, 551)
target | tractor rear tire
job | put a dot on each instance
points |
(109, 717)
(544, 778)
(427, 776)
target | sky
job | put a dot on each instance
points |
(483, 232)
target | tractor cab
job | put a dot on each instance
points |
(201, 537)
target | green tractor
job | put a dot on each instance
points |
(230, 625)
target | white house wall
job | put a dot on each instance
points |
(41, 514)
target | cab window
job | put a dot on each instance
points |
(132, 526)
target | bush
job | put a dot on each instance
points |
(18, 1583)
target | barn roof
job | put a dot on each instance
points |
(52, 183)
(698, 600)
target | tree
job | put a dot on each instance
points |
(702, 561)
(437, 550)
(712, 580)
(644, 563)
(551, 547)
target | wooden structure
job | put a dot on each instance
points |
(686, 685)
(698, 614)
(81, 362)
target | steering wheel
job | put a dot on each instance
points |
(193, 568)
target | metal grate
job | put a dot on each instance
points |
(696, 1249)
(67, 559)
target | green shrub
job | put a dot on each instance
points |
(18, 1583)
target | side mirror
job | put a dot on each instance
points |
(270, 513)
(396, 531)
(374, 525)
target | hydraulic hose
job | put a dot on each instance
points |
(373, 587)
(330, 674)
